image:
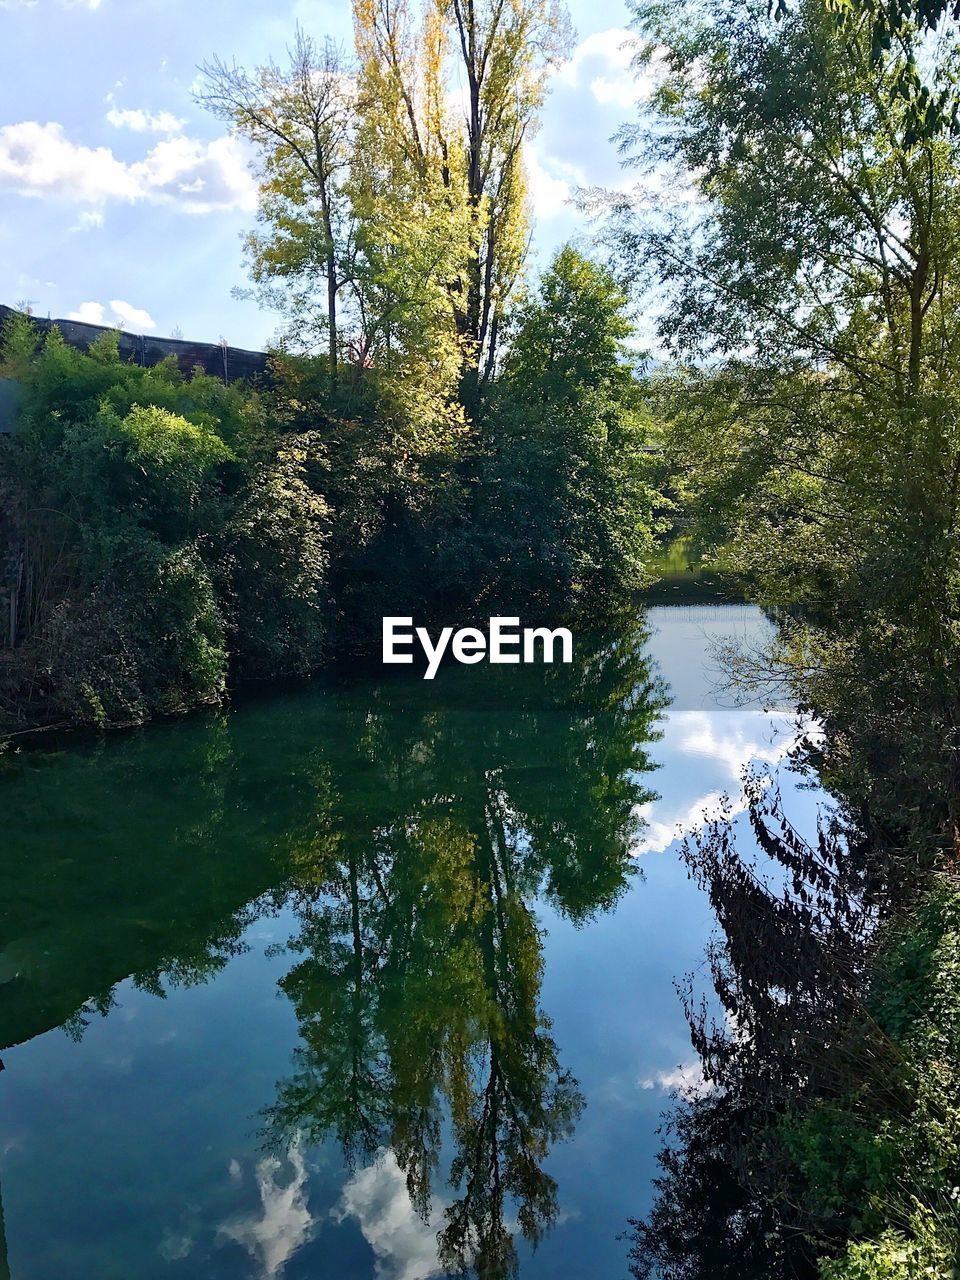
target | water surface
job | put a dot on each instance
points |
(363, 980)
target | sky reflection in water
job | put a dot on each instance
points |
(295, 990)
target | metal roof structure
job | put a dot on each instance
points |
(215, 358)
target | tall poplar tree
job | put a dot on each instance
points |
(398, 181)
(463, 150)
(409, 198)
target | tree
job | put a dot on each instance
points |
(569, 509)
(410, 199)
(502, 53)
(300, 119)
(811, 282)
(908, 30)
(812, 286)
(429, 233)
(163, 538)
(507, 50)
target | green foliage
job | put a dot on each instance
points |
(166, 539)
(811, 291)
(181, 533)
(565, 481)
(811, 424)
(895, 1179)
(279, 548)
(922, 1250)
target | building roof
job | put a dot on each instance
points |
(220, 361)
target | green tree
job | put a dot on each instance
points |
(568, 509)
(502, 54)
(300, 118)
(811, 286)
(166, 539)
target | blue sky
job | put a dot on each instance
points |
(121, 201)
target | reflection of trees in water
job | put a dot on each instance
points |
(418, 991)
(786, 1027)
(164, 867)
(411, 826)
(745, 1191)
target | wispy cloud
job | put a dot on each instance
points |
(738, 742)
(141, 121)
(733, 742)
(405, 1246)
(659, 835)
(685, 1079)
(88, 220)
(284, 1223)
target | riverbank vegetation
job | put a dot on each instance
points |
(172, 535)
(438, 434)
(811, 417)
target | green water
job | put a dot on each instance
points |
(367, 979)
(681, 576)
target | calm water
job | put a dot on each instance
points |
(362, 981)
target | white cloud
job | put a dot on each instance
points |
(549, 195)
(611, 46)
(686, 1079)
(602, 63)
(40, 160)
(132, 317)
(63, 4)
(621, 90)
(88, 313)
(659, 835)
(608, 54)
(141, 121)
(404, 1245)
(737, 747)
(739, 744)
(284, 1224)
(123, 315)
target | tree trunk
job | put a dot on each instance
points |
(332, 317)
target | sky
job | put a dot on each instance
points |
(124, 203)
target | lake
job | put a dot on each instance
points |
(366, 979)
